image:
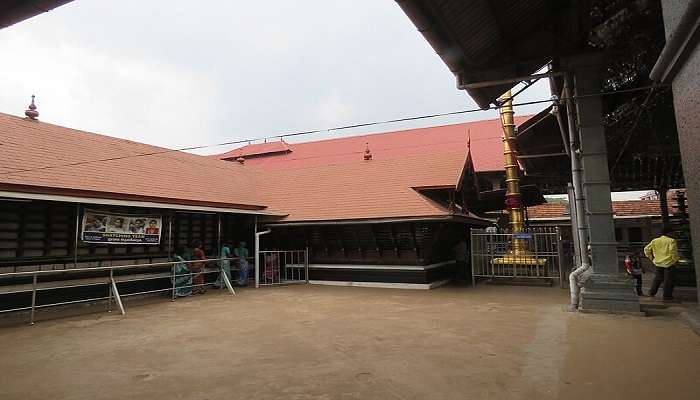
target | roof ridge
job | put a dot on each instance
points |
(372, 134)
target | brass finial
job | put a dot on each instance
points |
(31, 112)
(368, 154)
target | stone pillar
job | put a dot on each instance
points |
(606, 289)
(684, 74)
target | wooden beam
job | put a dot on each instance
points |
(413, 236)
(374, 238)
(339, 232)
(393, 240)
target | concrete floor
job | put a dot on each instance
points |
(312, 342)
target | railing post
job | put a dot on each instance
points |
(174, 278)
(116, 292)
(109, 299)
(31, 318)
(560, 256)
(471, 253)
(226, 281)
(306, 263)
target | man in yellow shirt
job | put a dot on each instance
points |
(663, 252)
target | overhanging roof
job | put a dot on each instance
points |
(14, 11)
(486, 40)
(494, 200)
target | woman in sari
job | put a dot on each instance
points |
(198, 268)
(241, 254)
(182, 278)
(225, 265)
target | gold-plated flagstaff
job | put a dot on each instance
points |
(518, 253)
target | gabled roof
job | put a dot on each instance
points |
(486, 147)
(49, 160)
(371, 189)
(163, 175)
(622, 208)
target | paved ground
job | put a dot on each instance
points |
(310, 342)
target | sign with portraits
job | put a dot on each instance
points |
(110, 228)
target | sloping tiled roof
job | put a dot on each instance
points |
(631, 208)
(172, 177)
(43, 158)
(486, 147)
(259, 149)
(362, 189)
(623, 208)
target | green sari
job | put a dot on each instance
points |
(182, 279)
(225, 265)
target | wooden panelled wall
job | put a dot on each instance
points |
(396, 243)
(43, 232)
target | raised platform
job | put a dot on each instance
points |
(384, 285)
(382, 274)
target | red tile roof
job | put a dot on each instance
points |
(624, 208)
(326, 182)
(173, 177)
(486, 147)
(253, 150)
(362, 189)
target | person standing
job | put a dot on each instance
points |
(663, 252)
(181, 278)
(225, 266)
(241, 254)
(198, 269)
(634, 268)
(461, 250)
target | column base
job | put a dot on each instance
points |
(692, 318)
(609, 293)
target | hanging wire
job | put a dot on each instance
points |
(328, 130)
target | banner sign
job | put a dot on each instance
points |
(103, 227)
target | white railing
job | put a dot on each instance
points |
(279, 267)
(108, 279)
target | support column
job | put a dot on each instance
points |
(663, 203)
(607, 289)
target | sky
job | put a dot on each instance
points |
(177, 74)
(187, 73)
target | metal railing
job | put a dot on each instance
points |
(110, 280)
(279, 267)
(538, 257)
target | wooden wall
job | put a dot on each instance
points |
(395, 243)
(41, 235)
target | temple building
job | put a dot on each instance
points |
(382, 208)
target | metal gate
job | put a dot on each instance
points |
(280, 267)
(535, 254)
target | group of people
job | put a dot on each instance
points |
(663, 253)
(188, 269)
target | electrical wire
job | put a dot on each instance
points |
(329, 130)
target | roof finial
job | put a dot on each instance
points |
(469, 138)
(241, 160)
(368, 154)
(31, 112)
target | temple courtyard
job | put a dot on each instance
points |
(317, 342)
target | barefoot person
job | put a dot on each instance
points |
(663, 252)
(241, 254)
(182, 278)
(225, 264)
(198, 269)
